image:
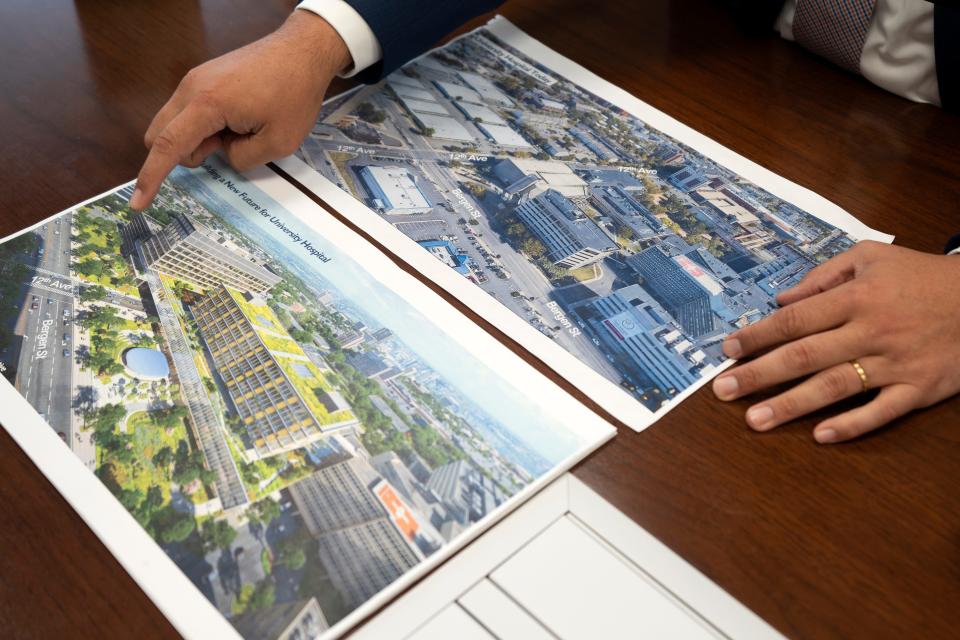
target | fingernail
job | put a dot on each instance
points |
(760, 417)
(732, 348)
(825, 436)
(136, 198)
(726, 387)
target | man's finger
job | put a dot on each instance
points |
(167, 112)
(804, 318)
(830, 274)
(891, 403)
(176, 142)
(822, 390)
(788, 362)
(250, 150)
(207, 147)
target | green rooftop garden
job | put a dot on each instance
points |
(305, 376)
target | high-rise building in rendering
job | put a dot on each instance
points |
(187, 249)
(681, 286)
(526, 178)
(467, 494)
(570, 237)
(283, 399)
(640, 333)
(298, 620)
(358, 541)
(617, 203)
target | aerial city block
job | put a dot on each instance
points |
(633, 252)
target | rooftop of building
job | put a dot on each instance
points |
(612, 177)
(308, 380)
(503, 135)
(446, 253)
(418, 92)
(458, 91)
(419, 106)
(480, 112)
(485, 88)
(367, 363)
(520, 173)
(400, 78)
(398, 186)
(574, 220)
(445, 127)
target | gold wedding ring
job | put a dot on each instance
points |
(860, 372)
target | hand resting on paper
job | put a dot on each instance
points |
(894, 311)
(256, 103)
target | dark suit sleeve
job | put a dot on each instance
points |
(952, 244)
(756, 16)
(946, 42)
(407, 28)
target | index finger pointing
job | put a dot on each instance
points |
(175, 142)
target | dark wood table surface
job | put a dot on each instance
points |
(858, 540)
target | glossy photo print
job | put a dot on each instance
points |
(613, 242)
(278, 426)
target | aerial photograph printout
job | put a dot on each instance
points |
(296, 423)
(630, 250)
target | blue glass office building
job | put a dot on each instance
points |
(640, 332)
(676, 290)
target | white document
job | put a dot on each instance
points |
(268, 423)
(616, 244)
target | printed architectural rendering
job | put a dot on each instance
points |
(630, 250)
(287, 449)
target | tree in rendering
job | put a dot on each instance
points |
(264, 512)
(217, 534)
(93, 293)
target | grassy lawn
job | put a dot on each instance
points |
(309, 386)
(148, 439)
(282, 345)
(260, 315)
(133, 325)
(583, 274)
(339, 159)
(262, 470)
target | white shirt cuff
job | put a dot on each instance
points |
(361, 42)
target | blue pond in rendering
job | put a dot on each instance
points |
(146, 363)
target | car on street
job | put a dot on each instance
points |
(49, 300)
(66, 338)
(62, 435)
(33, 306)
(66, 353)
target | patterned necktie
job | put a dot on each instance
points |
(834, 29)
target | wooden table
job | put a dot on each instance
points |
(859, 540)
